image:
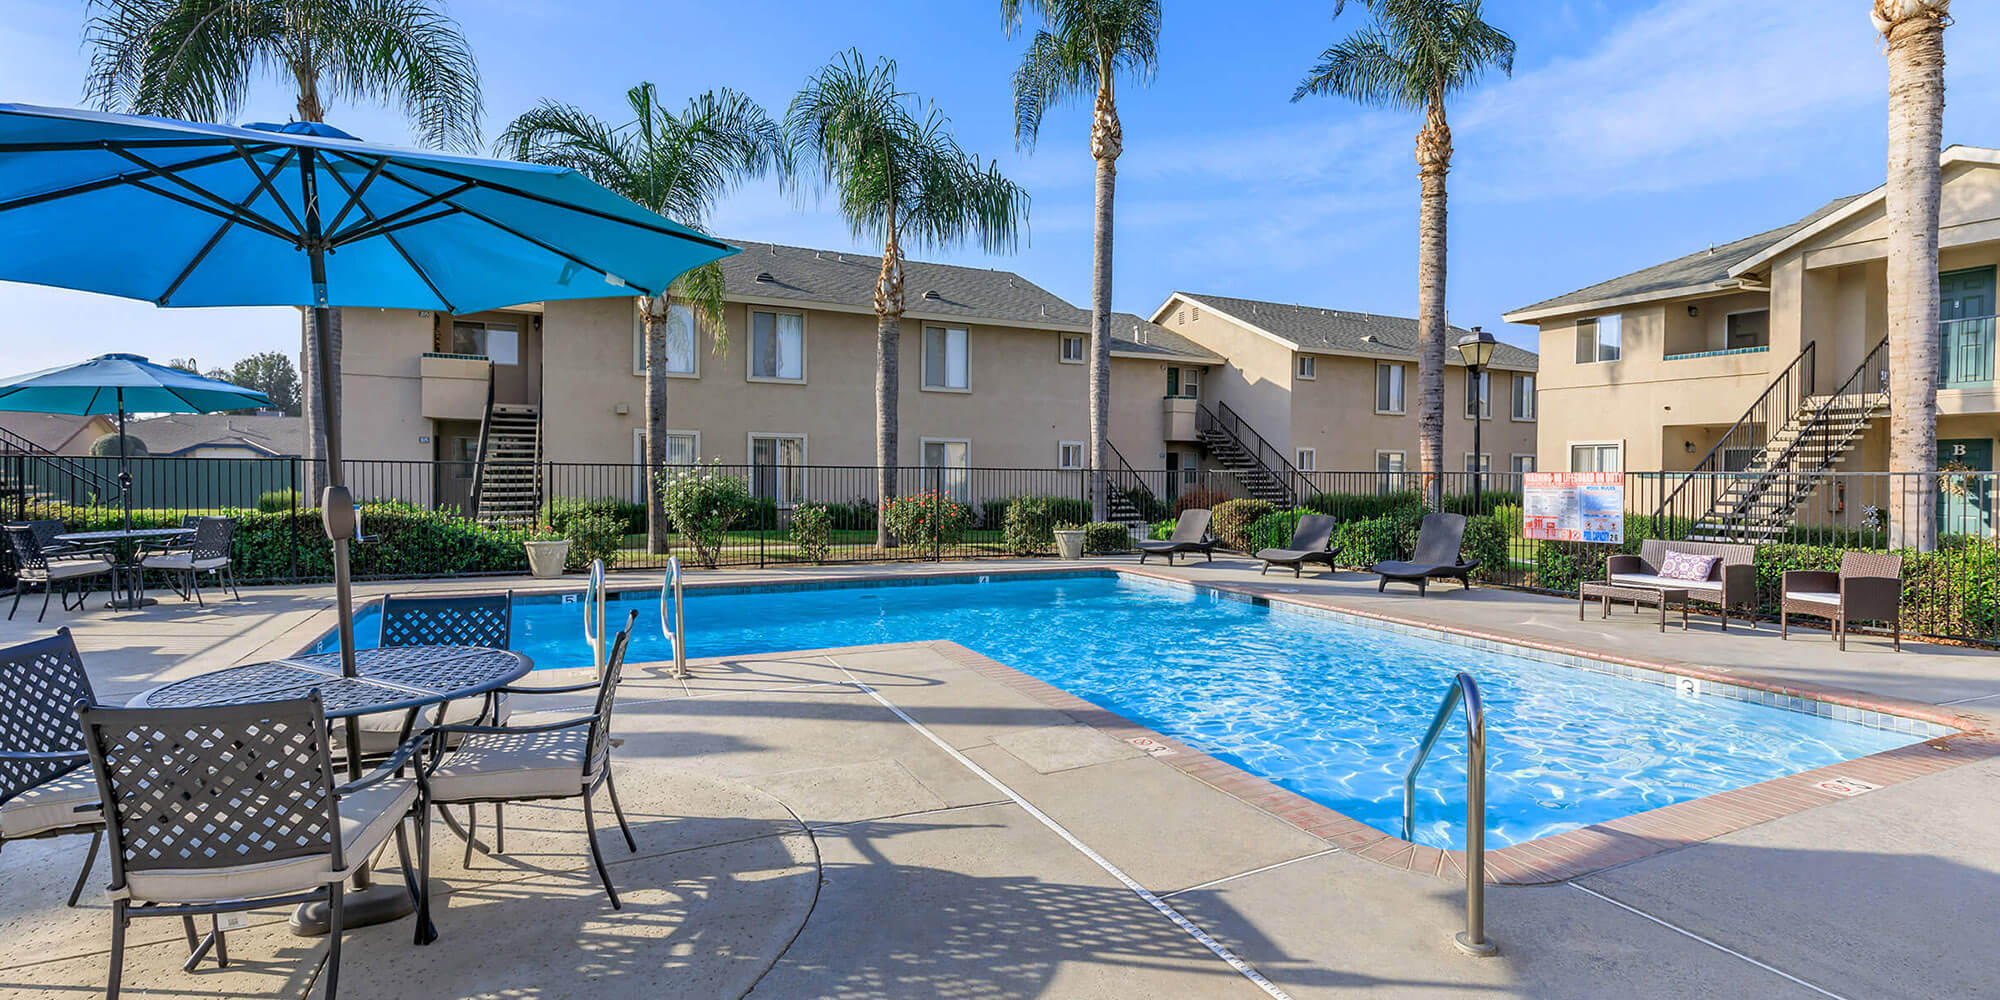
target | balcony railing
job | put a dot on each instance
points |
(1965, 352)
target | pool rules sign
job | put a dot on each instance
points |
(1573, 506)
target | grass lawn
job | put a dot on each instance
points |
(739, 547)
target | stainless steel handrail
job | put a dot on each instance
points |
(672, 623)
(1464, 690)
(593, 614)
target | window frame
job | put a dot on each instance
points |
(1597, 338)
(1082, 455)
(1514, 462)
(782, 474)
(924, 359)
(1597, 444)
(1402, 385)
(641, 474)
(1514, 404)
(1485, 403)
(639, 343)
(1387, 480)
(1726, 317)
(750, 345)
(1305, 459)
(1485, 460)
(1062, 349)
(960, 491)
(1305, 367)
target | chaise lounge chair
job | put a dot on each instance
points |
(1308, 544)
(1190, 535)
(1437, 555)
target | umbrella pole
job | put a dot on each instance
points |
(124, 465)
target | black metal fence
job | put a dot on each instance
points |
(806, 515)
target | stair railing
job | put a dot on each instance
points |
(1811, 452)
(80, 477)
(1779, 403)
(1269, 460)
(1125, 479)
(479, 456)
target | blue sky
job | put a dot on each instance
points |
(1630, 132)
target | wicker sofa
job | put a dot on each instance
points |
(1732, 583)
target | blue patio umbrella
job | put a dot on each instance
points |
(184, 214)
(121, 384)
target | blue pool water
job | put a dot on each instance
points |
(1327, 709)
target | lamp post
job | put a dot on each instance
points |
(1477, 350)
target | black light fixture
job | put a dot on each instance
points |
(1476, 348)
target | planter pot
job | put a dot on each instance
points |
(1069, 544)
(545, 559)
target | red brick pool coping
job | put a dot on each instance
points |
(1547, 859)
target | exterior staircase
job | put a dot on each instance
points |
(1259, 469)
(509, 486)
(31, 475)
(1752, 499)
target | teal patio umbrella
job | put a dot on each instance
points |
(121, 384)
(303, 214)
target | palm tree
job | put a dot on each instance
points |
(1913, 36)
(1411, 57)
(1081, 49)
(678, 165)
(195, 60)
(900, 178)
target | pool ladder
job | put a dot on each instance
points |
(671, 621)
(593, 615)
(670, 615)
(1464, 691)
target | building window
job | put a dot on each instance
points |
(1523, 463)
(1183, 383)
(1072, 349)
(1478, 394)
(946, 466)
(1599, 339)
(683, 448)
(1485, 463)
(944, 358)
(1596, 458)
(778, 346)
(1308, 366)
(682, 361)
(777, 467)
(1389, 469)
(1308, 459)
(1524, 397)
(1069, 455)
(1747, 329)
(499, 343)
(1388, 388)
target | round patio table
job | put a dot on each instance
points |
(395, 679)
(129, 588)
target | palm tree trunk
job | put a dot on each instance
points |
(1433, 161)
(888, 341)
(322, 411)
(1915, 46)
(1106, 142)
(653, 311)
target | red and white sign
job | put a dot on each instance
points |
(1845, 786)
(1573, 506)
(1151, 746)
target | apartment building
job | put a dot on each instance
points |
(1332, 390)
(1768, 355)
(994, 373)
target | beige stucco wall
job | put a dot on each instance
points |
(1334, 414)
(1256, 381)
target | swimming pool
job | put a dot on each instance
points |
(1327, 708)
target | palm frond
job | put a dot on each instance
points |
(188, 59)
(701, 290)
(1082, 44)
(1363, 68)
(405, 52)
(1411, 52)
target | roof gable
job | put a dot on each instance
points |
(1314, 330)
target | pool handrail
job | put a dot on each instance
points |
(1464, 691)
(593, 614)
(673, 623)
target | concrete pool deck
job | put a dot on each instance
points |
(801, 838)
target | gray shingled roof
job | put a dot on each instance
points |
(1137, 335)
(1338, 330)
(180, 432)
(1701, 269)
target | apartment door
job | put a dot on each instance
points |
(949, 463)
(510, 345)
(1183, 471)
(1965, 328)
(1966, 503)
(457, 454)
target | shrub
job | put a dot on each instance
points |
(1366, 541)
(1149, 507)
(594, 536)
(1232, 520)
(1031, 521)
(812, 530)
(702, 502)
(1105, 537)
(993, 513)
(1204, 497)
(931, 519)
(1162, 530)
(1274, 530)
(1485, 541)
(1358, 506)
(1509, 516)
(407, 542)
(558, 512)
(855, 515)
(277, 501)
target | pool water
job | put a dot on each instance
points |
(1327, 709)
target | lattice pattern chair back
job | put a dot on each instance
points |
(599, 743)
(215, 787)
(475, 620)
(213, 537)
(41, 683)
(26, 547)
(46, 529)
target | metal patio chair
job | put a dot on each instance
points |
(46, 785)
(209, 551)
(35, 566)
(450, 620)
(221, 809)
(556, 760)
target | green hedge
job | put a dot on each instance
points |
(1030, 523)
(558, 512)
(1274, 530)
(1106, 538)
(1232, 520)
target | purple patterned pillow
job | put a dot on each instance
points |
(1687, 566)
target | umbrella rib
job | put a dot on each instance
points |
(244, 213)
(244, 220)
(105, 182)
(552, 202)
(354, 195)
(519, 235)
(363, 231)
(354, 199)
(264, 183)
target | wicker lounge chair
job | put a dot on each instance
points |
(1438, 541)
(1731, 583)
(1308, 545)
(1869, 587)
(1190, 535)
(44, 770)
